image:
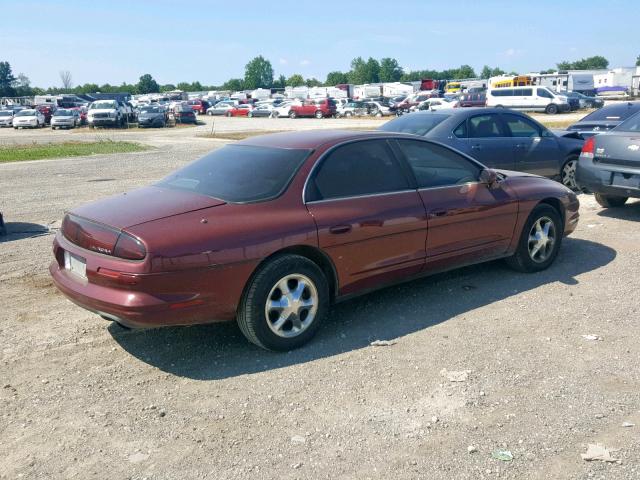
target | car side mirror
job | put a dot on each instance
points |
(489, 178)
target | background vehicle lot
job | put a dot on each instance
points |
(81, 397)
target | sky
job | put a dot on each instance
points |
(115, 41)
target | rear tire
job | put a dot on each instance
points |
(539, 241)
(610, 201)
(264, 320)
(568, 173)
(292, 114)
(551, 109)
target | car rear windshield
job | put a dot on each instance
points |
(153, 109)
(63, 113)
(6, 114)
(418, 124)
(614, 112)
(630, 124)
(239, 173)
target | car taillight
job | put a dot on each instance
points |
(129, 248)
(588, 148)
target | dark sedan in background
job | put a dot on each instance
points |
(499, 138)
(605, 119)
(609, 164)
(273, 229)
(152, 116)
(184, 114)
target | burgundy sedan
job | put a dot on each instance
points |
(273, 229)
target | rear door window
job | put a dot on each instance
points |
(485, 126)
(359, 168)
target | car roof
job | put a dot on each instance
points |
(311, 139)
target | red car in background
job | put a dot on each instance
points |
(320, 108)
(241, 110)
(273, 229)
(199, 107)
(47, 111)
(473, 100)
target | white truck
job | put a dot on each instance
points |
(108, 113)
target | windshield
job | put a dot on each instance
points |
(26, 113)
(630, 125)
(614, 112)
(103, 104)
(239, 173)
(152, 109)
(6, 114)
(417, 124)
(63, 113)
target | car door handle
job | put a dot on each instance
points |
(476, 147)
(437, 213)
(337, 229)
(520, 145)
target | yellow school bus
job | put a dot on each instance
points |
(516, 81)
(453, 87)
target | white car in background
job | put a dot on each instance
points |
(377, 109)
(28, 118)
(6, 118)
(282, 110)
(437, 104)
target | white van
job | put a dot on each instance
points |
(531, 98)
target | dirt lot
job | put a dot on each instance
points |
(80, 398)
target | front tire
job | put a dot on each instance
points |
(610, 201)
(319, 114)
(284, 303)
(292, 114)
(539, 241)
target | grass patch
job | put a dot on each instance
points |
(39, 151)
(559, 124)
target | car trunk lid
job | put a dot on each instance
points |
(618, 148)
(143, 205)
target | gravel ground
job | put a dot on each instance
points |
(80, 398)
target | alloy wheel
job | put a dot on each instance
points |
(291, 305)
(569, 174)
(542, 238)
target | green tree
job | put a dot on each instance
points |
(313, 82)
(197, 87)
(390, 70)
(281, 82)
(167, 87)
(488, 72)
(233, 84)
(364, 71)
(22, 86)
(295, 80)
(184, 86)
(638, 61)
(6, 80)
(597, 62)
(336, 78)
(147, 85)
(258, 73)
(465, 71)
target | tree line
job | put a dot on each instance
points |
(259, 73)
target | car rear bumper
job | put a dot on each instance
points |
(182, 297)
(596, 177)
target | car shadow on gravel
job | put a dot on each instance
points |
(21, 230)
(629, 211)
(217, 351)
